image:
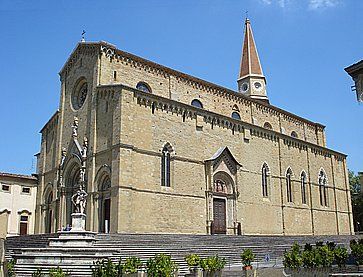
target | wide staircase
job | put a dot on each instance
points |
(268, 249)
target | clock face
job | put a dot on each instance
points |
(244, 87)
(258, 85)
(79, 95)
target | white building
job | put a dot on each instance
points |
(17, 204)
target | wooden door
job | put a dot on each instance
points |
(23, 228)
(219, 216)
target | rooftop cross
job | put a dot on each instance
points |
(83, 36)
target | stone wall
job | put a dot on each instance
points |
(127, 129)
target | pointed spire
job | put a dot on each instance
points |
(251, 81)
(250, 62)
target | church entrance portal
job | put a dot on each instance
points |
(106, 215)
(219, 216)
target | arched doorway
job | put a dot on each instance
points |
(49, 212)
(104, 204)
(71, 187)
(223, 202)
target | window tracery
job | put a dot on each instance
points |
(288, 185)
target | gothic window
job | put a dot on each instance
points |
(265, 180)
(143, 87)
(323, 189)
(288, 185)
(267, 125)
(294, 134)
(303, 187)
(197, 103)
(165, 165)
(236, 115)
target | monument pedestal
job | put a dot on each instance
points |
(78, 222)
(77, 236)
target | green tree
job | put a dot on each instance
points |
(357, 200)
(354, 184)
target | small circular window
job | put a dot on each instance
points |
(79, 95)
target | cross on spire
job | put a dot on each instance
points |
(83, 36)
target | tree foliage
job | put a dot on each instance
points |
(357, 200)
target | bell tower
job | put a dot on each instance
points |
(251, 81)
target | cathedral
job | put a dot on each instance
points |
(161, 151)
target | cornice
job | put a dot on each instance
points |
(111, 52)
(82, 48)
(53, 120)
(165, 104)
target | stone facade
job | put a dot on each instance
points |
(157, 164)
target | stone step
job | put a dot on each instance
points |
(146, 246)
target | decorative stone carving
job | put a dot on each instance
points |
(75, 127)
(79, 200)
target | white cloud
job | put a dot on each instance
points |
(312, 4)
(280, 3)
(321, 4)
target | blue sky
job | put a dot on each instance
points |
(304, 46)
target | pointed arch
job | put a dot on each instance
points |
(235, 108)
(289, 175)
(223, 183)
(48, 199)
(303, 183)
(72, 175)
(323, 188)
(165, 164)
(265, 173)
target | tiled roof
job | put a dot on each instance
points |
(13, 175)
(250, 62)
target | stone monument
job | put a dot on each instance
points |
(77, 236)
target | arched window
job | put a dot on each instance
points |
(143, 87)
(236, 115)
(267, 125)
(323, 188)
(165, 165)
(303, 187)
(197, 103)
(265, 179)
(288, 185)
(294, 134)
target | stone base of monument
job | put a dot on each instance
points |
(73, 239)
(77, 236)
(78, 222)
